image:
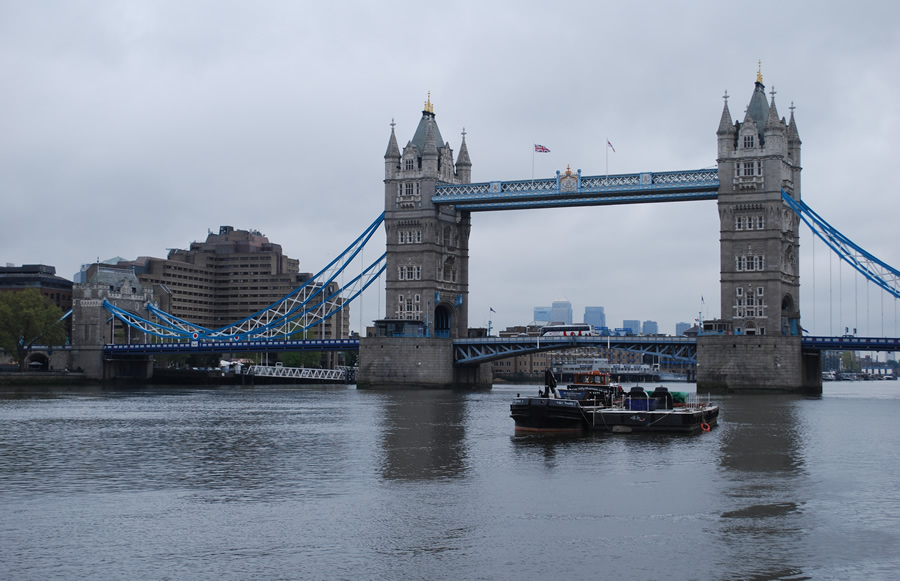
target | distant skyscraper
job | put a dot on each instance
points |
(650, 328)
(595, 316)
(632, 324)
(561, 312)
(543, 314)
(680, 328)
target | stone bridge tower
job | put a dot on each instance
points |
(427, 245)
(427, 288)
(756, 344)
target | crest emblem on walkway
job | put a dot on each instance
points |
(568, 182)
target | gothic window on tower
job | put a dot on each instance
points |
(739, 223)
(409, 164)
(750, 262)
(748, 167)
(749, 142)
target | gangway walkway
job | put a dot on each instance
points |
(339, 374)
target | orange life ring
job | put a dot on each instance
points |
(704, 426)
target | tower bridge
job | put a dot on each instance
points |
(756, 344)
(428, 201)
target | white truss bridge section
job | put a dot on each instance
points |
(297, 372)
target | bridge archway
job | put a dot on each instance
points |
(443, 317)
(788, 316)
(37, 362)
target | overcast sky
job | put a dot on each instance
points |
(127, 128)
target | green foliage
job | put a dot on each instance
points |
(27, 318)
(849, 362)
(301, 359)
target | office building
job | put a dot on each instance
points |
(632, 324)
(40, 277)
(680, 328)
(650, 328)
(595, 316)
(543, 314)
(561, 312)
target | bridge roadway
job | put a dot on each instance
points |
(482, 350)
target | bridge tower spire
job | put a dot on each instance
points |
(758, 157)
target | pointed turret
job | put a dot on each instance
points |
(774, 129)
(726, 126)
(727, 131)
(793, 140)
(392, 156)
(463, 163)
(792, 134)
(772, 121)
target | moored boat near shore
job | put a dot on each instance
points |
(593, 403)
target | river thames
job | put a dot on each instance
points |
(331, 482)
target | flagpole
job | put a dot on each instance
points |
(532, 166)
(606, 147)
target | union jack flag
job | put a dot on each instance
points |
(541, 148)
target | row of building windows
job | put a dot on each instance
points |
(410, 272)
(739, 291)
(748, 168)
(750, 262)
(749, 222)
(408, 189)
(750, 313)
(749, 141)
(409, 236)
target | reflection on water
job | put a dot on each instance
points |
(321, 482)
(423, 435)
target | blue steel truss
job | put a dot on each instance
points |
(574, 190)
(317, 300)
(875, 270)
(474, 351)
